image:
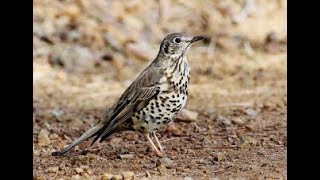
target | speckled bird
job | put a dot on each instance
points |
(154, 99)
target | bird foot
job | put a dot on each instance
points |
(160, 154)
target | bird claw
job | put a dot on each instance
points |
(160, 154)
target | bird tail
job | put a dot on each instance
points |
(91, 132)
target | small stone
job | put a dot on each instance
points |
(115, 141)
(219, 157)
(36, 152)
(53, 136)
(57, 113)
(132, 137)
(85, 145)
(250, 112)
(237, 120)
(53, 169)
(171, 128)
(187, 116)
(116, 177)
(223, 120)
(38, 178)
(86, 176)
(162, 170)
(79, 170)
(76, 177)
(126, 156)
(43, 138)
(167, 162)
(248, 141)
(140, 50)
(190, 151)
(187, 178)
(106, 176)
(128, 175)
(268, 106)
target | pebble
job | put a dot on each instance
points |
(79, 170)
(237, 120)
(53, 169)
(116, 177)
(167, 162)
(219, 157)
(115, 141)
(225, 121)
(250, 112)
(171, 128)
(162, 170)
(128, 175)
(187, 116)
(126, 156)
(76, 177)
(43, 138)
(187, 178)
(53, 136)
(132, 137)
(106, 176)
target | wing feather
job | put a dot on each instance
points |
(137, 96)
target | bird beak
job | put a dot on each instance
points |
(196, 38)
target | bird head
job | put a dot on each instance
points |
(177, 44)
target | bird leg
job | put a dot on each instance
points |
(158, 142)
(153, 145)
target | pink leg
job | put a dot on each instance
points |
(157, 140)
(153, 145)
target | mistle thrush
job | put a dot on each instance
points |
(153, 99)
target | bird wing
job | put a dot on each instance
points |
(133, 99)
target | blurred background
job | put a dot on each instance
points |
(85, 53)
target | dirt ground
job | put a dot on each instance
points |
(87, 52)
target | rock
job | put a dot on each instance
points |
(85, 145)
(53, 136)
(115, 141)
(73, 58)
(190, 151)
(187, 178)
(247, 142)
(132, 137)
(43, 138)
(162, 170)
(140, 50)
(187, 116)
(237, 120)
(53, 169)
(116, 177)
(223, 120)
(167, 162)
(171, 128)
(219, 157)
(128, 175)
(106, 176)
(126, 156)
(57, 113)
(76, 177)
(79, 170)
(36, 152)
(250, 112)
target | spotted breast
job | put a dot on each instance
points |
(166, 105)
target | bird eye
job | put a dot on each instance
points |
(177, 40)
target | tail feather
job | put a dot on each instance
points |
(91, 132)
